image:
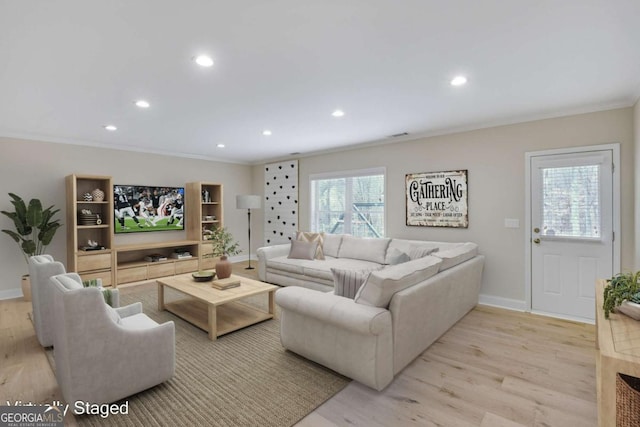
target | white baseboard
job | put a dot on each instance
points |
(11, 294)
(508, 303)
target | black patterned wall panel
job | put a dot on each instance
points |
(281, 202)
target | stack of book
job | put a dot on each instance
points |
(227, 283)
(155, 258)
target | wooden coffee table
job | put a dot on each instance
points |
(216, 311)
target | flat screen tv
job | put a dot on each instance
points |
(146, 208)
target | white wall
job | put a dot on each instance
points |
(34, 169)
(495, 159)
(636, 136)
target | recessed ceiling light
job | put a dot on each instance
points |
(458, 81)
(203, 60)
(220, 145)
(110, 128)
(266, 132)
(338, 113)
(142, 103)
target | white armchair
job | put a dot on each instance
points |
(41, 268)
(103, 354)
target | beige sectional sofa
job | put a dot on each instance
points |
(399, 311)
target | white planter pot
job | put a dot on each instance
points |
(631, 309)
(26, 287)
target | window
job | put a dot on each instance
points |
(349, 202)
(571, 205)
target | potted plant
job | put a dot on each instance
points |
(223, 245)
(34, 230)
(622, 292)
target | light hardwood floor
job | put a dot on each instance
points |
(495, 368)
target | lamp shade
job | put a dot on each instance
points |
(245, 201)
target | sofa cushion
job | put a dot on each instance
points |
(396, 256)
(322, 269)
(414, 248)
(382, 284)
(347, 282)
(457, 255)
(303, 250)
(331, 244)
(113, 314)
(312, 237)
(364, 248)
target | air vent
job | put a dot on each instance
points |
(397, 135)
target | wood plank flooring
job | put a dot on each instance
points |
(495, 368)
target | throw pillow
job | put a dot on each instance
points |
(303, 250)
(381, 285)
(347, 282)
(420, 252)
(396, 256)
(312, 237)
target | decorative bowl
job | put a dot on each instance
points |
(203, 276)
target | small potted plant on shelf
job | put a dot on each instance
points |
(34, 230)
(223, 245)
(622, 293)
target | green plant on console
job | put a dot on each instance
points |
(34, 226)
(106, 293)
(622, 287)
(223, 243)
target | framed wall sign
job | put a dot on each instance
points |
(437, 199)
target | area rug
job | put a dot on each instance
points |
(244, 378)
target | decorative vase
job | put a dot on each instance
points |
(98, 195)
(223, 268)
(26, 287)
(629, 308)
(87, 197)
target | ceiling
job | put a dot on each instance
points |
(70, 67)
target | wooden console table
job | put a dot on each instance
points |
(618, 345)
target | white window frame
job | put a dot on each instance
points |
(347, 174)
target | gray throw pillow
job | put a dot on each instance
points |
(303, 250)
(396, 256)
(346, 283)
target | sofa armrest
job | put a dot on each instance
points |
(129, 310)
(265, 253)
(335, 310)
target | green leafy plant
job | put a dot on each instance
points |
(622, 287)
(34, 226)
(223, 243)
(106, 293)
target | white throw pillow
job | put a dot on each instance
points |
(374, 250)
(382, 284)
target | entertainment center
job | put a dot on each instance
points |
(93, 253)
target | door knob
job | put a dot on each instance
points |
(536, 230)
(536, 241)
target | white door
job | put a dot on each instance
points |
(572, 230)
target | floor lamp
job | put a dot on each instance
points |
(248, 202)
